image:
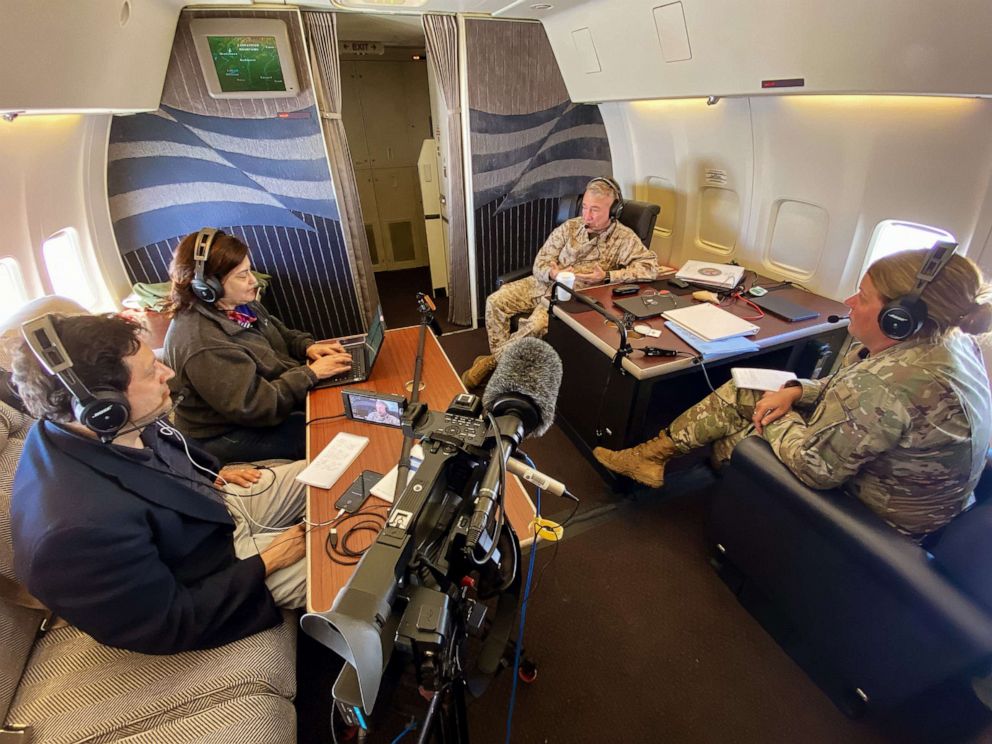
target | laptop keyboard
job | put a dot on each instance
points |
(357, 371)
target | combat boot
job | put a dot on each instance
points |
(479, 372)
(644, 463)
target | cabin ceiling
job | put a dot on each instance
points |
(391, 30)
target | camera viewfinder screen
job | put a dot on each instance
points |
(375, 410)
(247, 63)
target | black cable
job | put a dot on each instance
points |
(324, 418)
(335, 543)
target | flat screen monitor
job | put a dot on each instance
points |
(245, 57)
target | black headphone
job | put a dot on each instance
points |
(104, 411)
(617, 206)
(904, 316)
(207, 288)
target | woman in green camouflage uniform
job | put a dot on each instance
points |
(902, 425)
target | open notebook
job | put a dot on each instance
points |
(709, 322)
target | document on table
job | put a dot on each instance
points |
(333, 460)
(713, 349)
(386, 487)
(709, 322)
(750, 378)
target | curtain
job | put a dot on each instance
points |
(442, 52)
(322, 35)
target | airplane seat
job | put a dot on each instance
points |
(878, 621)
(637, 215)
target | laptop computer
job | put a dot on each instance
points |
(650, 306)
(364, 348)
(784, 309)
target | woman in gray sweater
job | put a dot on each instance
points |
(245, 374)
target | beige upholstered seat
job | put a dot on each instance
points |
(69, 688)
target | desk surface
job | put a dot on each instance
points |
(393, 369)
(772, 331)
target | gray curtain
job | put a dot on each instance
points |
(322, 35)
(442, 52)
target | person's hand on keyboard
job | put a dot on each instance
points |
(330, 365)
(323, 348)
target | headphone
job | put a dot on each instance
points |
(207, 288)
(104, 411)
(617, 206)
(904, 316)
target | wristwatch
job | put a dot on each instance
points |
(608, 278)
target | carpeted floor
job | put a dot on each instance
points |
(635, 636)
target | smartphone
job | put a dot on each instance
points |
(375, 408)
(625, 289)
(352, 499)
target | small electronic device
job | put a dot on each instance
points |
(625, 289)
(654, 351)
(373, 407)
(646, 330)
(245, 57)
(757, 291)
(673, 282)
(352, 499)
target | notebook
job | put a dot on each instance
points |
(364, 350)
(713, 349)
(709, 322)
(713, 275)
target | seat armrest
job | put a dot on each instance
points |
(512, 276)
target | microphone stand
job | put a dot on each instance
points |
(625, 349)
(426, 307)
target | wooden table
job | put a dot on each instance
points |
(651, 391)
(393, 369)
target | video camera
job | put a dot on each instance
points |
(446, 546)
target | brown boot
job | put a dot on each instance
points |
(644, 463)
(479, 372)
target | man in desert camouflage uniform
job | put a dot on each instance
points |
(903, 426)
(595, 247)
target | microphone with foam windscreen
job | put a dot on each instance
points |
(521, 396)
(837, 318)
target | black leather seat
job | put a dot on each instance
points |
(874, 618)
(637, 215)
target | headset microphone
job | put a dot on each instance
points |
(837, 318)
(521, 395)
(207, 288)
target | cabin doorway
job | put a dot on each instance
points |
(386, 110)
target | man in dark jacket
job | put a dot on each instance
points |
(129, 539)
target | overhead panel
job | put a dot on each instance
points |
(669, 22)
(584, 45)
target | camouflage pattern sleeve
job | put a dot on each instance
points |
(858, 419)
(634, 261)
(549, 253)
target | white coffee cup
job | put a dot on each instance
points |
(568, 279)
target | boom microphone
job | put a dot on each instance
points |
(521, 396)
(525, 384)
(837, 318)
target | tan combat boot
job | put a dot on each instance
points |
(480, 370)
(644, 463)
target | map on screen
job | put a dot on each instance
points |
(247, 63)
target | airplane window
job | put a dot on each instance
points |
(12, 292)
(892, 236)
(65, 268)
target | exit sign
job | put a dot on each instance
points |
(362, 48)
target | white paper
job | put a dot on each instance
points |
(749, 378)
(333, 460)
(710, 322)
(386, 487)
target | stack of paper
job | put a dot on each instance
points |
(751, 378)
(385, 489)
(713, 349)
(710, 322)
(718, 276)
